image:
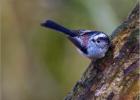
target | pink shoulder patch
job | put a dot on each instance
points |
(84, 39)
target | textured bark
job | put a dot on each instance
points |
(114, 77)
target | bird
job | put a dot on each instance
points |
(90, 43)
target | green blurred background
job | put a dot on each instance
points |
(38, 63)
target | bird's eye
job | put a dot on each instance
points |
(98, 41)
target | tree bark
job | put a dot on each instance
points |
(114, 77)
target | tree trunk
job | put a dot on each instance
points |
(114, 77)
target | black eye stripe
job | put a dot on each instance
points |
(104, 39)
(93, 40)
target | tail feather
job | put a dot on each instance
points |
(53, 25)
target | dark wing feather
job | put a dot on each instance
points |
(83, 32)
(78, 32)
(78, 44)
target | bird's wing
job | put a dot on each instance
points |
(85, 32)
(76, 31)
(78, 44)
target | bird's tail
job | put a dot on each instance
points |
(53, 25)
